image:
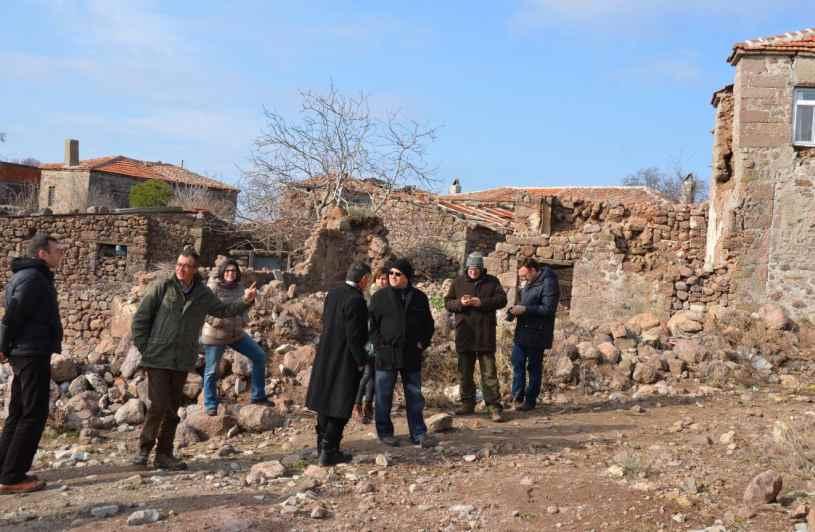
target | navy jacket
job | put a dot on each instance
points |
(31, 324)
(536, 326)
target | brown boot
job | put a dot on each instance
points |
(466, 409)
(497, 415)
(24, 486)
(367, 412)
(169, 462)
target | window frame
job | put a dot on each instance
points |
(796, 101)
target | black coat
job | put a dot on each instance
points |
(332, 388)
(536, 326)
(475, 326)
(32, 325)
(400, 333)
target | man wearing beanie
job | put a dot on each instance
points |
(474, 297)
(401, 329)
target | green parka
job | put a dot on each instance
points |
(167, 324)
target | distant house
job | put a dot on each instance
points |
(18, 184)
(74, 184)
(762, 222)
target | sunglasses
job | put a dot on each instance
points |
(395, 274)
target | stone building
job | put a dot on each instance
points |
(74, 185)
(761, 219)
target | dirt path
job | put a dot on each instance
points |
(665, 463)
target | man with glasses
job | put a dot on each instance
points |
(401, 329)
(473, 298)
(166, 328)
(30, 332)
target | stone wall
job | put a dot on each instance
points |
(761, 216)
(624, 259)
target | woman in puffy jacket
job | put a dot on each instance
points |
(220, 333)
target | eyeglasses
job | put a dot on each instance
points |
(395, 273)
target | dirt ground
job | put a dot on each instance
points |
(577, 463)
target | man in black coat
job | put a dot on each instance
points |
(31, 331)
(401, 329)
(534, 331)
(473, 298)
(338, 365)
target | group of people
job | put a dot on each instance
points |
(365, 346)
(367, 341)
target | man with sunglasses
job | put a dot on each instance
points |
(401, 329)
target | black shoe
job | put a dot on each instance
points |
(169, 462)
(524, 407)
(141, 458)
(263, 402)
(424, 441)
(330, 458)
(389, 440)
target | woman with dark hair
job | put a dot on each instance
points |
(364, 407)
(220, 333)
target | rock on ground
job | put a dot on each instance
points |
(440, 423)
(63, 368)
(265, 471)
(763, 489)
(210, 426)
(258, 418)
(132, 412)
(143, 517)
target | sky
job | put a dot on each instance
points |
(524, 93)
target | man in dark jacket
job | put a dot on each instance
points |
(341, 356)
(401, 329)
(474, 297)
(31, 331)
(534, 331)
(166, 328)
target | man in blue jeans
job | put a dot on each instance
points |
(401, 329)
(534, 331)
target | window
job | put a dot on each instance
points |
(803, 123)
(111, 250)
(51, 191)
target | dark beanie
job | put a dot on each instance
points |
(403, 265)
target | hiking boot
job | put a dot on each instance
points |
(141, 458)
(26, 485)
(169, 462)
(524, 407)
(262, 402)
(330, 458)
(424, 441)
(466, 409)
(389, 440)
(497, 415)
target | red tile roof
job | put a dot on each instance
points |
(19, 173)
(509, 194)
(797, 42)
(134, 168)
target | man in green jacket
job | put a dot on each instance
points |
(166, 328)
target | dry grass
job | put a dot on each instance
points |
(796, 446)
(633, 464)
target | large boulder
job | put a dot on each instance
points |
(258, 418)
(763, 489)
(690, 350)
(564, 369)
(642, 322)
(132, 413)
(97, 383)
(610, 354)
(63, 368)
(131, 362)
(645, 374)
(587, 351)
(685, 323)
(209, 426)
(440, 422)
(299, 359)
(773, 316)
(193, 386)
(185, 435)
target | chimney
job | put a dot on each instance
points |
(455, 187)
(71, 152)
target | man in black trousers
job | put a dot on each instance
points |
(31, 331)
(340, 359)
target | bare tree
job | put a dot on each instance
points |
(336, 139)
(666, 182)
(20, 196)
